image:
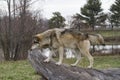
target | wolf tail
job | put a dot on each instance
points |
(96, 39)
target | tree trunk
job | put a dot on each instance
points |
(50, 71)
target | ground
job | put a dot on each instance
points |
(22, 70)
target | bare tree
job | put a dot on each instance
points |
(17, 29)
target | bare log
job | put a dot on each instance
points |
(50, 71)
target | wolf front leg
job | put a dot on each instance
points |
(61, 51)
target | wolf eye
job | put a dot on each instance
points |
(36, 40)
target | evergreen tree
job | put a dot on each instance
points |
(115, 10)
(92, 13)
(76, 22)
(57, 21)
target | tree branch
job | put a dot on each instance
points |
(50, 71)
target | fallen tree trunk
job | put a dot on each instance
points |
(50, 71)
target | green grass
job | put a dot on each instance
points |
(100, 62)
(104, 62)
(22, 70)
(108, 33)
(17, 70)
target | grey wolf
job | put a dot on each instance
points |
(58, 39)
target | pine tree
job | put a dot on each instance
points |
(57, 21)
(115, 10)
(92, 13)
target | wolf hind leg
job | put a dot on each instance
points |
(90, 58)
(84, 47)
(78, 57)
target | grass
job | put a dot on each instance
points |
(17, 70)
(104, 62)
(108, 33)
(100, 62)
(22, 70)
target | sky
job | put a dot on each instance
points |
(69, 7)
(65, 7)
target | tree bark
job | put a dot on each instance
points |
(50, 71)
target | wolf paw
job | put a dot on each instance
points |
(73, 65)
(47, 60)
(89, 67)
(58, 63)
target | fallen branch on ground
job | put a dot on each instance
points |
(50, 71)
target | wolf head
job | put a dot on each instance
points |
(40, 42)
(43, 40)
